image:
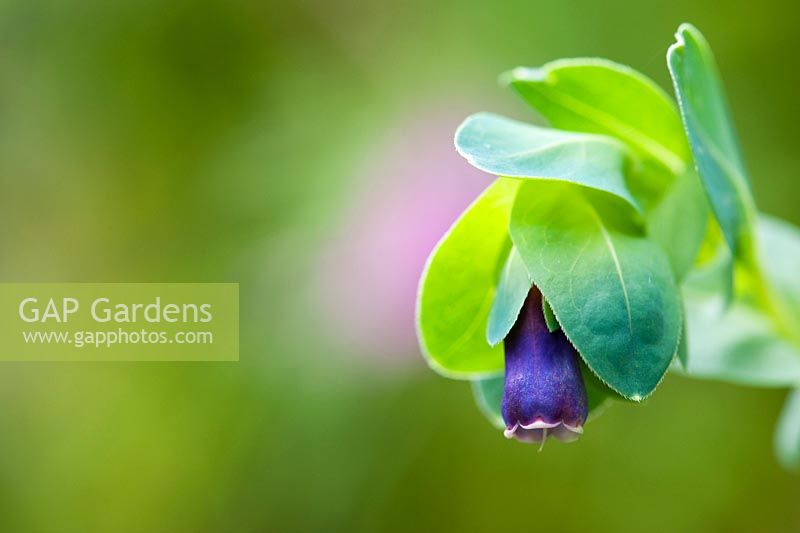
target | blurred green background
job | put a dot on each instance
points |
(304, 150)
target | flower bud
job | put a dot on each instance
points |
(544, 392)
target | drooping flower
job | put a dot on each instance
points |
(544, 393)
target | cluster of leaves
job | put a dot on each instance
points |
(634, 217)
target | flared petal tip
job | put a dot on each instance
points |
(539, 424)
(537, 431)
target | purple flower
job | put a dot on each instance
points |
(544, 392)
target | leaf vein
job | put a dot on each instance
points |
(612, 249)
(664, 154)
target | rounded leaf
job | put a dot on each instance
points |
(610, 287)
(457, 287)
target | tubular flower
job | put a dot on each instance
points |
(544, 392)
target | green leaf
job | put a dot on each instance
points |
(514, 285)
(683, 343)
(508, 148)
(779, 254)
(458, 285)
(678, 222)
(737, 344)
(711, 134)
(714, 274)
(610, 287)
(488, 393)
(600, 96)
(743, 344)
(787, 433)
(549, 318)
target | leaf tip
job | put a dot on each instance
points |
(491, 339)
(686, 33)
(525, 74)
(462, 145)
(686, 28)
(506, 78)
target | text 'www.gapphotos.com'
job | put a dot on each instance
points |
(79, 339)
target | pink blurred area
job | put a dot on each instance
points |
(410, 191)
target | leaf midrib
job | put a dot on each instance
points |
(612, 250)
(662, 153)
(734, 175)
(579, 140)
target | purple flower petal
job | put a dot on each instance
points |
(544, 392)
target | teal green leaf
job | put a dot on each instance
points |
(600, 96)
(711, 134)
(610, 286)
(787, 433)
(488, 393)
(737, 344)
(549, 318)
(779, 254)
(715, 275)
(683, 343)
(458, 286)
(508, 148)
(678, 222)
(514, 285)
